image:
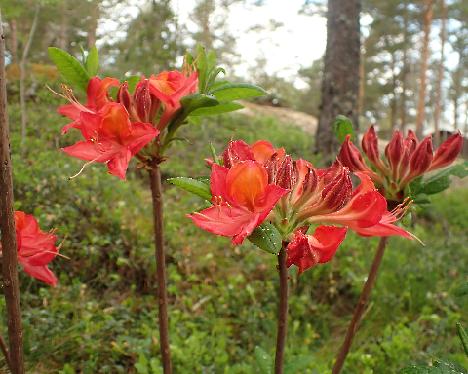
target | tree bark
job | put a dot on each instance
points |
(8, 229)
(14, 41)
(421, 110)
(340, 83)
(440, 74)
(157, 198)
(93, 24)
(22, 68)
(282, 311)
(405, 69)
(360, 307)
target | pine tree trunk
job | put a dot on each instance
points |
(93, 24)
(340, 84)
(438, 100)
(421, 110)
(405, 69)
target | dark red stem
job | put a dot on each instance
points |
(7, 229)
(282, 311)
(360, 307)
(156, 193)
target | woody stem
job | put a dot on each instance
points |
(8, 230)
(156, 194)
(360, 307)
(4, 349)
(282, 311)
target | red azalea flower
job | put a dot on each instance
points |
(243, 199)
(169, 87)
(36, 249)
(111, 138)
(306, 251)
(260, 151)
(406, 159)
(97, 97)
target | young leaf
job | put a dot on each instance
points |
(92, 62)
(342, 127)
(70, 68)
(217, 109)
(267, 238)
(231, 91)
(194, 186)
(192, 102)
(263, 360)
(462, 334)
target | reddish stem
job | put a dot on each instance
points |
(282, 311)
(360, 307)
(8, 229)
(156, 194)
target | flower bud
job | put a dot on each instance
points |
(350, 156)
(146, 104)
(421, 159)
(338, 190)
(124, 97)
(370, 146)
(285, 176)
(447, 152)
(235, 152)
(394, 151)
(411, 141)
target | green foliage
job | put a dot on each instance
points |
(72, 71)
(267, 238)
(92, 62)
(193, 186)
(101, 317)
(342, 127)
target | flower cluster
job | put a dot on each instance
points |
(405, 159)
(36, 249)
(258, 183)
(115, 130)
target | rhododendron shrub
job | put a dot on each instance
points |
(309, 208)
(403, 173)
(138, 117)
(398, 172)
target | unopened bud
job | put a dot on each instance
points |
(447, 152)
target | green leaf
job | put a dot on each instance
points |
(263, 360)
(217, 109)
(132, 82)
(438, 182)
(202, 68)
(194, 186)
(461, 290)
(236, 91)
(343, 127)
(267, 237)
(298, 364)
(92, 62)
(192, 102)
(69, 68)
(463, 337)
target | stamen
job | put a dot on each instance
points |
(81, 170)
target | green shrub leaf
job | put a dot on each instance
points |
(263, 360)
(193, 102)
(343, 127)
(92, 62)
(232, 91)
(267, 238)
(217, 109)
(69, 68)
(197, 187)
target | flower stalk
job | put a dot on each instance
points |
(360, 307)
(8, 230)
(157, 198)
(282, 310)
